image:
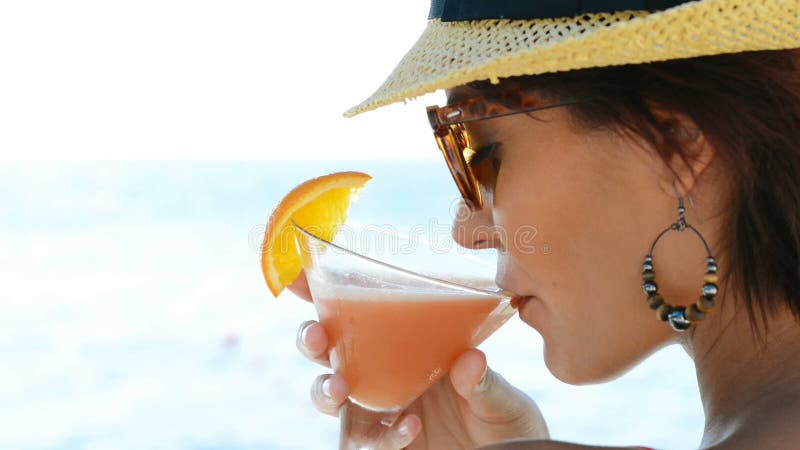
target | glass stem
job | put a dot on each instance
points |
(361, 428)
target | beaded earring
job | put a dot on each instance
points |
(680, 318)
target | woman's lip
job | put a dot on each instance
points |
(526, 310)
(519, 301)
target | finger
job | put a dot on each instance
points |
(328, 392)
(401, 433)
(312, 341)
(489, 396)
(299, 287)
(468, 371)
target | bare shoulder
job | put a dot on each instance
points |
(521, 444)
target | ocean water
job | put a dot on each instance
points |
(134, 315)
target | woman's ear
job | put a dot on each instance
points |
(684, 167)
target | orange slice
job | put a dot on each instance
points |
(320, 202)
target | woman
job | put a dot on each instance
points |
(664, 138)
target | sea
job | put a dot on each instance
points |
(134, 315)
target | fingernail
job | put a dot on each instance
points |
(304, 333)
(326, 388)
(403, 428)
(482, 382)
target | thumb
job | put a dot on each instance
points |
(489, 396)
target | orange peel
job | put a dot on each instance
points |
(321, 203)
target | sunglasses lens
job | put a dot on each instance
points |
(453, 142)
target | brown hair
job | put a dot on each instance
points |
(748, 107)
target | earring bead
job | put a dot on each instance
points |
(705, 304)
(663, 312)
(693, 313)
(654, 301)
(709, 290)
(677, 319)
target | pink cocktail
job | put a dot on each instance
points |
(393, 332)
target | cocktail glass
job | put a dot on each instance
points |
(393, 332)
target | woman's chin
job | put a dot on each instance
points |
(562, 363)
(571, 358)
(578, 368)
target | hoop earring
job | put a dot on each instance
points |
(680, 318)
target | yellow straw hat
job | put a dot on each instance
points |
(470, 40)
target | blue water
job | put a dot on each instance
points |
(135, 315)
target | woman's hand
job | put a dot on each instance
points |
(471, 407)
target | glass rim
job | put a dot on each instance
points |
(450, 284)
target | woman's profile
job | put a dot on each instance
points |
(656, 146)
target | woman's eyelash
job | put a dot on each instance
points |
(485, 152)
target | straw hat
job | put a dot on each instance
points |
(469, 40)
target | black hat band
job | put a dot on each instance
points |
(458, 10)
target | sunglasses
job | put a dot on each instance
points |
(467, 164)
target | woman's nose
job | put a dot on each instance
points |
(476, 229)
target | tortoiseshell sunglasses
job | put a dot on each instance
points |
(454, 140)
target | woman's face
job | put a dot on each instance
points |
(572, 215)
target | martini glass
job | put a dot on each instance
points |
(393, 331)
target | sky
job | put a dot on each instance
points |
(180, 79)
